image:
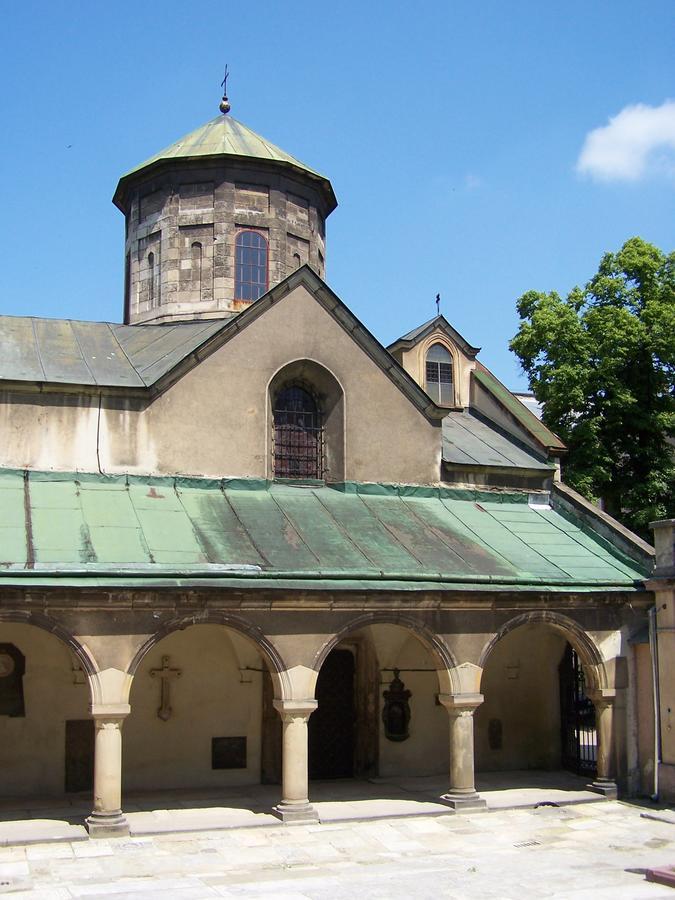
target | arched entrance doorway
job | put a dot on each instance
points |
(377, 712)
(536, 714)
(332, 727)
(46, 732)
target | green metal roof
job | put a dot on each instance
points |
(121, 529)
(65, 351)
(517, 409)
(224, 136)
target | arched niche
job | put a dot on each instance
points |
(328, 395)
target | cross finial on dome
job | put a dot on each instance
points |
(225, 103)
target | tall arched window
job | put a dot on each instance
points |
(439, 375)
(298, 434)
(196, 266)
(250, 265)
(151, 277)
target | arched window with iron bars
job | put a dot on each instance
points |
(298, 434)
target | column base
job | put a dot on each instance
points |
(464, 802)
(295, 813)
(109, 825)
(606, 788)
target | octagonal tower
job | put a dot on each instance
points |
(215, 220)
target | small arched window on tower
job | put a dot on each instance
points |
(151, 278)
(250, 265)
(297, 262)
(438, 380)
(196, 267)
(298, 434)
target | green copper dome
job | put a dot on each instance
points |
(223, 136)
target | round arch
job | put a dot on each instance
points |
(247, 629)
(589, 654)
(46, 623)
(439, 650)
(328, 392)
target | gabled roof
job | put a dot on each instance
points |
(94, 530)
(468, 440)
(223, 137)
(406, 341)
(518, 410)
(100, 354)
(105, 355)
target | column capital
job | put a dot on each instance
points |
(295, 709)
(602, 697)
(112, 711)
(461, 704)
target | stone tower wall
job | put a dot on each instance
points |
(180, 236)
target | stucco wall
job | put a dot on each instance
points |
(208, 700)
(645, 717)
(32, 749)
(425, 752)
(521, 689)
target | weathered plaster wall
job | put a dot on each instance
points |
(214, 421)
(645, 717)
(213, 697)
(521, 689)
(32, 749)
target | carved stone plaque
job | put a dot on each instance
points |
(7, 665)
(228, 753)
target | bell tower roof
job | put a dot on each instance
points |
(222, 137)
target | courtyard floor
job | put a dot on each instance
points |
(31, 820)
(587, 851)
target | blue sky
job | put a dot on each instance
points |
(455, 135)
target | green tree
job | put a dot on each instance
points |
(602, 363)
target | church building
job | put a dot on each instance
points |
(243, 542)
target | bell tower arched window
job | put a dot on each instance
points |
(438, 376)
(298, 434)
(251, 278)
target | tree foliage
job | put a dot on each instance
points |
(602, 363)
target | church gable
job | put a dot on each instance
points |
(221, 417)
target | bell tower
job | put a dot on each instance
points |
(215, 220)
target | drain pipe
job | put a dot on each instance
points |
(654, 653)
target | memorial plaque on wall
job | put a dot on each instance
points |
(228, 753)
(12, 668)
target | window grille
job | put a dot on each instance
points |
(439, 375)
(298, 435)
(250, 266)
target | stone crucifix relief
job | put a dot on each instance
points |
(166, 673)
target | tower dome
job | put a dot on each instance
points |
(216, 219)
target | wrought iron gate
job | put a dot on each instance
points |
(577, 718)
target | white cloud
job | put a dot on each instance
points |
(472, 182)
(638, 141)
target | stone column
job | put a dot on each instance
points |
(295, 806)
(605, 783)
(462, 794)
(107, 819)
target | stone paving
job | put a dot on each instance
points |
(31, 820)
(594, 850)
